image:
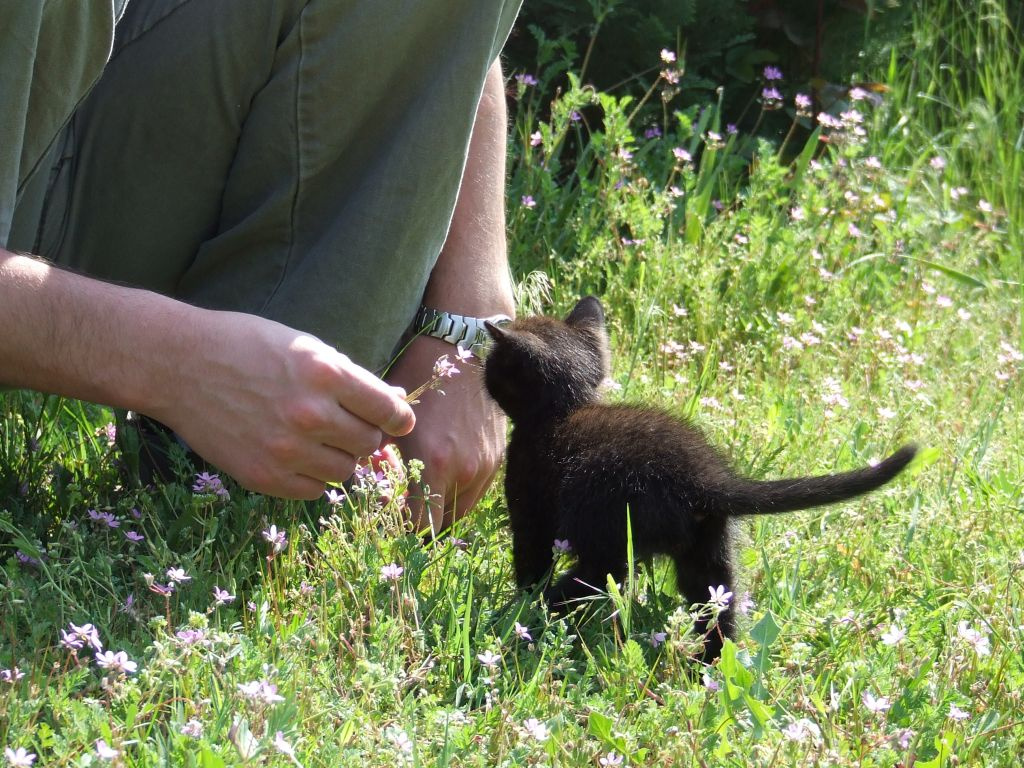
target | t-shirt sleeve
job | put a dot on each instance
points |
(51, 54)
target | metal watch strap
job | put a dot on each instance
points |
(460, 330)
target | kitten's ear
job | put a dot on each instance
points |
(587, 311)
(496, 331)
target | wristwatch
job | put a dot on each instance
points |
(464, 332)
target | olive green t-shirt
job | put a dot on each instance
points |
(295, 159)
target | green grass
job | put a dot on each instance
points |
(846, 298)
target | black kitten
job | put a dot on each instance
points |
(575, 464)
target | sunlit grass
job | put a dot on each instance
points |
(810, 309)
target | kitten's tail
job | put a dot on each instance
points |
(753, 497)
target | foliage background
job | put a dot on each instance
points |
(810, 291)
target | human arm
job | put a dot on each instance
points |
(460, 436)
(276, 409)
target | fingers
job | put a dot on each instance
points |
(364, 395)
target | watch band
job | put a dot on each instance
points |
(460, 330)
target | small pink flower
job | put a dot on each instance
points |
(523, 633)
(955, 713)
(104, 751)
(445, 368)
(391, 572)
(682, 155)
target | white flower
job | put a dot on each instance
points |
(611, 759)
(283, 746)
(278, 540)
(334, 496)
(178, 575)
(400, 739)
(802, 730)
(260, 690)
(875, 705)
(104, 751)
(894, 635)
(535, 729)
(974, 638)
(719, 597)
(116, 662)
(19, 758)
(11, 675)
(489, 659)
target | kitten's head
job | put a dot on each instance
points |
(543, 367)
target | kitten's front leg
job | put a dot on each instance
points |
(531, 555)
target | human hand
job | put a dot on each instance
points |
(459, 435)
(278, 410)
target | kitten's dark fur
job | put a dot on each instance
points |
(574, 464)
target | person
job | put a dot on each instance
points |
(240, 217)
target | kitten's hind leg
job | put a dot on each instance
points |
(696, 577)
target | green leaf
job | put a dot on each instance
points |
(766, 631)
(762, 712)
(600, 726)
(208, 759)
